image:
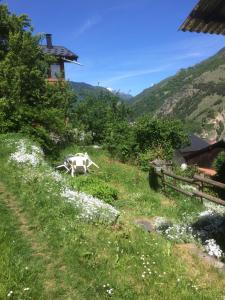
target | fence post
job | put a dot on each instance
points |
(202, 190)
(163, 180)
(201, 187)
(153, 178)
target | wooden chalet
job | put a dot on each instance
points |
(208, 16)
(200, 153)
(62, 55)
(196, 144)
(205, 157)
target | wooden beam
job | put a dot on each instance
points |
(209, 197)
(185, 179)
(210, 181)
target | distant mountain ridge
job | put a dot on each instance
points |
(195, 95)
(83, 90)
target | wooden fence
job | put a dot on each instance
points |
(198, 183)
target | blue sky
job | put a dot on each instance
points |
(127, 45)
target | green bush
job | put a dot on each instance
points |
(219, 165)
(189, 172)
(120, 141)
(95, 187)
(149, 155)
(168, 134)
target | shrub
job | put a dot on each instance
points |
(120, 141)
(190, 171)
(219, 165)
(149, 155)
(95, 187)
(166, 133)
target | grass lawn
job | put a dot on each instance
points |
(68, 258)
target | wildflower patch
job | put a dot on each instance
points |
(31, 157)
(27, 153)
(92, 208)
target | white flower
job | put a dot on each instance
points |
(9, 293)
(25, 154)
(212, 248)
(206, 213)
(188, 187)
(26, 289)
(214, 207)
(109, 291)
(55, 175)
(91, 207)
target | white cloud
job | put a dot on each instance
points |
(89, 23)
(134, 73)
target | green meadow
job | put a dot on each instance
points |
(48, 252)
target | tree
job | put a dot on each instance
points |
(120, 141)
(167, 134)
(10, 23)
(27, 102)
(97, 113)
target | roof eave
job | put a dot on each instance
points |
(206, 19)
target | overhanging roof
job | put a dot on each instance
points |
(208, 16)
(197, 143)
(59, 51)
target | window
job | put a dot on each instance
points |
(55, 70)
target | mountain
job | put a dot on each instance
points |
(84, 89)
(123, 96)
(195, 95)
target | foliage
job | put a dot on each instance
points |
(27, 103)
(162, 134)
(190, 171)
(149, 155)
(10, 23)
(219, 165)
(96, 113)
(96, 187)
(120, 141)
(107, 120)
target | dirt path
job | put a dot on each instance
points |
(24, 227)
(40, 249)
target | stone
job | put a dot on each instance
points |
(145, 224)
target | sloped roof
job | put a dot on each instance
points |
(59, 51)
(197, 143)
(208, 16)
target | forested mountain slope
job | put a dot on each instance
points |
(196, 95)
(83, 90)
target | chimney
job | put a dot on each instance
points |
(49, 40)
